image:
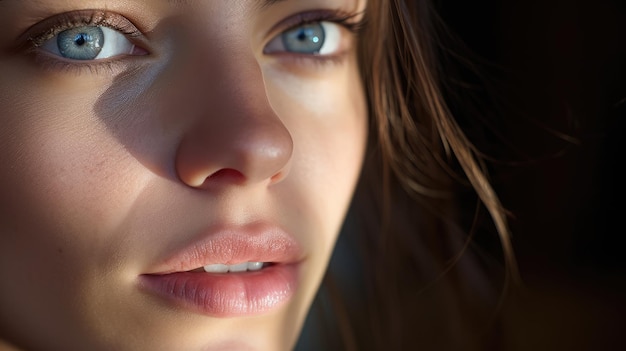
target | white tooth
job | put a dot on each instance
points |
(241, 267)
(255, 266)
(216, 268)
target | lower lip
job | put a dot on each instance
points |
(227, 294)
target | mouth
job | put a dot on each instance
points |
(233, 268)
(229, 271)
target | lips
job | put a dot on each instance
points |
(230, 271)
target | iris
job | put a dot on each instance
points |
(83, 43)
(305, 39)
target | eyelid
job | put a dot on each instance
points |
(352, 21)
(51, 26)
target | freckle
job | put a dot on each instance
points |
(60, 250)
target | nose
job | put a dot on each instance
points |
(235, 137)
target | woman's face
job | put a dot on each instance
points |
(143, 140)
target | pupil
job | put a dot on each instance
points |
(302, 35)
(80, 39)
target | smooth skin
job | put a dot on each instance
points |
(107, 167)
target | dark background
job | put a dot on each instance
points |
(545, 98)
(553, 89)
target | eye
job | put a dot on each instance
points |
(318, 38)
(88, 43)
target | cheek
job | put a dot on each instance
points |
(328, 121)
(60, 157)
(64, 181)
(60, 154)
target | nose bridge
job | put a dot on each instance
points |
(234, 136)
(236, 86)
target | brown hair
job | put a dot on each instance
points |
(419, 159)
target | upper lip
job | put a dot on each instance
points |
(256, 242)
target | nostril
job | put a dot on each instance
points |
(250, 146)
(227, 175)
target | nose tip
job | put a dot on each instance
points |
(230, 133)
(235, 152)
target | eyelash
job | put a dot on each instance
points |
(65, 21)
(339, 17)
(81, 18)
(344, 19)
(59, 23)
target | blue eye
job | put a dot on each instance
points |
(320, 38)
(307, 39)
(88, 43)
